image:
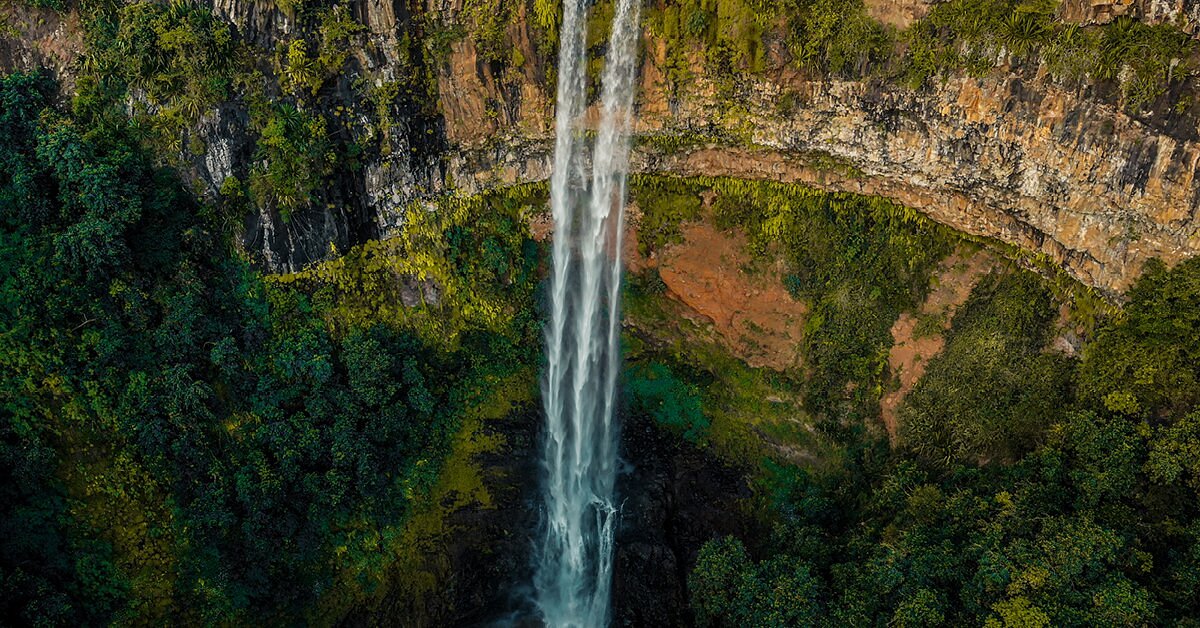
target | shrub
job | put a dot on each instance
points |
(990, 394)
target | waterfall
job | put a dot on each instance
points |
(573, 564)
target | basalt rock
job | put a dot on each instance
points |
(1014, 156)
(1058, 169)
(674, 498)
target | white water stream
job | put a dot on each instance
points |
(573, 565)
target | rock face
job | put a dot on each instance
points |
(1012, 156)
(674, 498)
(898, 13)
(32, 38)
(1184, 13)
(356, 206)
(1057, 170)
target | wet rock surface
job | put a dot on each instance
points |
(674, 498)
(482, 567)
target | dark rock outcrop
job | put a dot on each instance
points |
(674, 497)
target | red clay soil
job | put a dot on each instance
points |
(909, 354)
(753, 314)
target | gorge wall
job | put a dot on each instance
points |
(1053, 168)
(1013, 156)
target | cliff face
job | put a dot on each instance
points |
(1012, 156)
(40, 38)
(1185, 13)
(361, 205)
(1015, 156)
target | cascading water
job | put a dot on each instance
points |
(574, 563)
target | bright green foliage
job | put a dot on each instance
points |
(715, 579)
(734, 591)
(475, 252)
(174, 56)
(294, 157)
(859, 261)
(992, 391)
(337, 31)
(489, 21)
(290, 6)
(665, 204)
(975, 34)
(547, 18)
(838, 37)
(1147, 363)
(1092, 521)
(971, 33)
(655, 392)
(832, 37)
(301, 72)
(727, 33)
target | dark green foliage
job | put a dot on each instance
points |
(654, 391)
(181, 441)
(734, 591)
(1147, 363)
(1093, 521)
(992, 391)
(294, 156)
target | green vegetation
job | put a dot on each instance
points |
(667, 204)
(489, 19)
(975, 34)
(1146, 365)
(833, 38)
(992, 392)
(741, 408)
(1012, 500)
(57, 5)
(822, 36)
(174, 63)
(186, 442)
(467, 262)
(294, 157)
(857, 261)
(837, 37)
(1027, 487)
(655, 392)
(175, 59)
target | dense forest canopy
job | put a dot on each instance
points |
(187, 439)
(1029, 490)
(182, 439)
(1026, 486)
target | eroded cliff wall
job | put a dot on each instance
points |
(1016, 155)
(1013, 156)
